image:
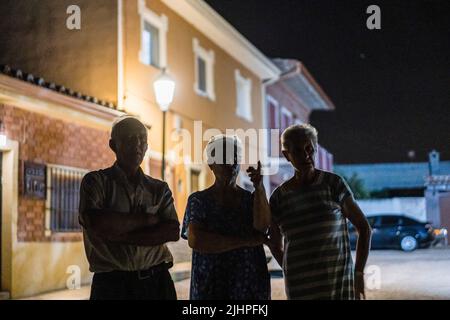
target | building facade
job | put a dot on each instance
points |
(49, 141)
(57, 114)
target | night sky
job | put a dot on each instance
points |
(391, 87)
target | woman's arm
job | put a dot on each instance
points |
(275, 243)
(261, 208)
(353, 213)
(204, 241)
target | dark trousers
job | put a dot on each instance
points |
(152, 284)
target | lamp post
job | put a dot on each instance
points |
(164, 88)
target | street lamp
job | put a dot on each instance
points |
(164, 88)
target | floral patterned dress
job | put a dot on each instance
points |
(233, 275)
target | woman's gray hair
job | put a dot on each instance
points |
(291, 133)
(219, 144)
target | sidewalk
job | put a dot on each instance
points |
(182, 288)
(180, 273)
(77, 294)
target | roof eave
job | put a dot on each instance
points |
(224, 35)
(299, 70)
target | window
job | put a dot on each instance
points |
(375, 222)
(273, 123)
(243, 96)
(389, 221)
(150, 46)
(286, 118)
(63, 197)
(201, 74)
(274, 120)
(204, 71)
(408, 222)
(153, 37)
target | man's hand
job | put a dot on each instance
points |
(255, 175)
(359, 286)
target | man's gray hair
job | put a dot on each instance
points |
(118, 120)
(298, 130)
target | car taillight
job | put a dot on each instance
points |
(440, 232)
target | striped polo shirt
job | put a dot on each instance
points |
(317, 262)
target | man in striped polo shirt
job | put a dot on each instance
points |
(310, 212)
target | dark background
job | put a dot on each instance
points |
(391, 87)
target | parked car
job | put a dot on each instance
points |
(396, 232)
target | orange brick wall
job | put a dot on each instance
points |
(46, 140)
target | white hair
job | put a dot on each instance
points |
(292, 132)
(216, 145)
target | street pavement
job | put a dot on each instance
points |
(390, 274)
(422, 274)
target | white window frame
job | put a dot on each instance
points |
(209, 57)
(246, 83)
(272, 100)
(285, 111)
(160, 22)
